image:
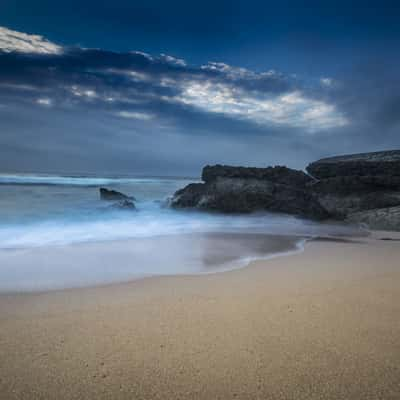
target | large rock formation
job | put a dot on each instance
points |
(242, 190)
(381, 163)
(362, 188)
(278, 174)
(359, 182)
(387, 219)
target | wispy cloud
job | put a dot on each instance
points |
(328, 82)
(85, 77)
(135, 106)
(14, 41)
(44, 102)
(135, 115)
(293, 109)
(173, 60)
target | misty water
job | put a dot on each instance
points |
(56, 232)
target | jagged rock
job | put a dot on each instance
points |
(384, 163)
(347, 194)
(387, 219)
(107, 194)
(189, 196)
(351, 184)
(359, 187)
(358, 182)
(278, 174)
(125, 205)
(243, 190)
(339, 206)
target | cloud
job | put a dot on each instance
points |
(328, 82)
(135, 115)
(237, 72)
(13, 41)
(83, 92)
(160, 110)
(44, 102)
(89, 76)
(173, 60)
(289, 109)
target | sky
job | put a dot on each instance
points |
(164, 88)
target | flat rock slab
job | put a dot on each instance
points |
(364, 164)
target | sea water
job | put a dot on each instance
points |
(56, 232)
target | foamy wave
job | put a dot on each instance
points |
(72, 181)
(150, 223)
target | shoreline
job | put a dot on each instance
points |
(211, 253)
(294, 244)
(320, 324)
(248, 262)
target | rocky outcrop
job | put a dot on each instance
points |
(340, 206)
(387, 219)
(107, 194)
(343, 195)
(278, 174)
(242, 190)
(355, 183)
(381, 163)
(359, 188)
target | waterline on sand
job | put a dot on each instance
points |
(92, 264)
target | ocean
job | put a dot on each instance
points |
(45, 216)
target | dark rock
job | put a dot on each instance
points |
(107, 194)
(340, 205)
(125, 205)
(358, 182)
(189, 196)
(385, 163)
(278, 174)
(387, 219)
(357, 188)
(351, 184)
(347, 194)
(243, 193)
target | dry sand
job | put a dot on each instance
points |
(324, 324)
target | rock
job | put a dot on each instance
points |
(357, 182)
(384, 163)
(278, 174)
(107, 194)
(347, 194)
(244, 190)
(189, 196)
(357, 188)
(339, 206)
(387, 219)
(125, 205)
(351, 184)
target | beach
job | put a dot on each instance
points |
(320, 324)
(199, 200)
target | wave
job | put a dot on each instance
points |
(53, 180)
(152, 221)
(50, 268)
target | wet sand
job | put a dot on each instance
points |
(323, 324)
(98, 263)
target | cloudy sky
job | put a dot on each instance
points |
(162, 88)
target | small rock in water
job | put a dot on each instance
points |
(107, 194)
(125, 205)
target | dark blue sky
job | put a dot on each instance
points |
(299, 80)
(291, 36)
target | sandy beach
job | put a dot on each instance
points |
(323, 324)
